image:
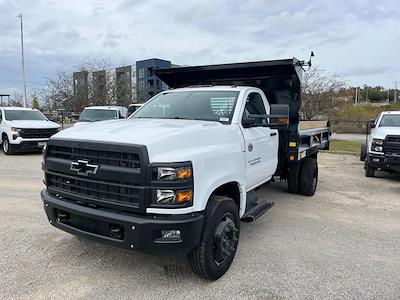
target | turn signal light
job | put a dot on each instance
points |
(183, 173)
(184, 196)
(282, 121)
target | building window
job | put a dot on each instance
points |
(141, 73)
(141, 84)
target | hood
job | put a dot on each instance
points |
(80, 123)
(382, 132)
(34, 124)
(165, 139)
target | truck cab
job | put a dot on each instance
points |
(181, 173)
(382, 150)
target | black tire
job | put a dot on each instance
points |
(220, 233)
(369, 170)
(7, 147)
(363, 152)
(309, 176)
(293, 182)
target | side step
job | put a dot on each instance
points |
(257, 211)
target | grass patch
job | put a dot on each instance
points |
(345, 147)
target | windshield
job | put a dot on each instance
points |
(390, 121)
(192, 105)
(19, 114)
(91, 115)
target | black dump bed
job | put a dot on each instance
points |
(280, 80)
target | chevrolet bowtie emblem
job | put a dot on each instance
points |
(83, 167)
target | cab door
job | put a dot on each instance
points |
(261, 143)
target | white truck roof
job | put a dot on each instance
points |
(391, 112)
(17, 108)
(105, 107)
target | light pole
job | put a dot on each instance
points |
(23, 60)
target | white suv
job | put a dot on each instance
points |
(24, 129)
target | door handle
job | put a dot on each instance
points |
(272, 134)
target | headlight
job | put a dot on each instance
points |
(15, 130)
(173, 197)
(377, 145)
(170, 173)
(172, 185)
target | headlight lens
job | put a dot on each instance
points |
(171, 197)
(169, 173)
(15, 130)
(377, 145)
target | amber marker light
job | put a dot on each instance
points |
(184, 196)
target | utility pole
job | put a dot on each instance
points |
(23, 61)
(395, 91)
(388, 97)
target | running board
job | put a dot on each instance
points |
(257, 211)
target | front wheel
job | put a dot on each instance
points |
(219, 239)
(7, 147)
(363, 152)
(369, 170)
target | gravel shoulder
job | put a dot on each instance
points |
(343, 243)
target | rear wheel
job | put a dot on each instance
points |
(293, 179)
(309, 176)
(7, 147)
(219, 239)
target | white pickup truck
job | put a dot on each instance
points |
(382, 150)
(101, 113)
(24, 129)
(179, 175)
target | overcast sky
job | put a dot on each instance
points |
(358, 40)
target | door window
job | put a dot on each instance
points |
(254, 106)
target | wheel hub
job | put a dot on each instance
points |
(5, 145)
(225, 239)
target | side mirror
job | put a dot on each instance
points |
(371, 124)
(278, 118)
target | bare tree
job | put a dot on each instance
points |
(59, 91)
(16, 100)
(100, 86)
(321, 92)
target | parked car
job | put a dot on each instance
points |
(101, 113)
(382, 150)
(179, 175)
(24, 129)
(133, 107)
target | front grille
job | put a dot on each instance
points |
(120, 182)
(37, 133)
(111, 158)
(391, 145)
(93, 192)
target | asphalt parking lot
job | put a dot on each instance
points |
(343, 243)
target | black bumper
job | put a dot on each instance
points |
(27, 146)
(385, 162)
(138, 232)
